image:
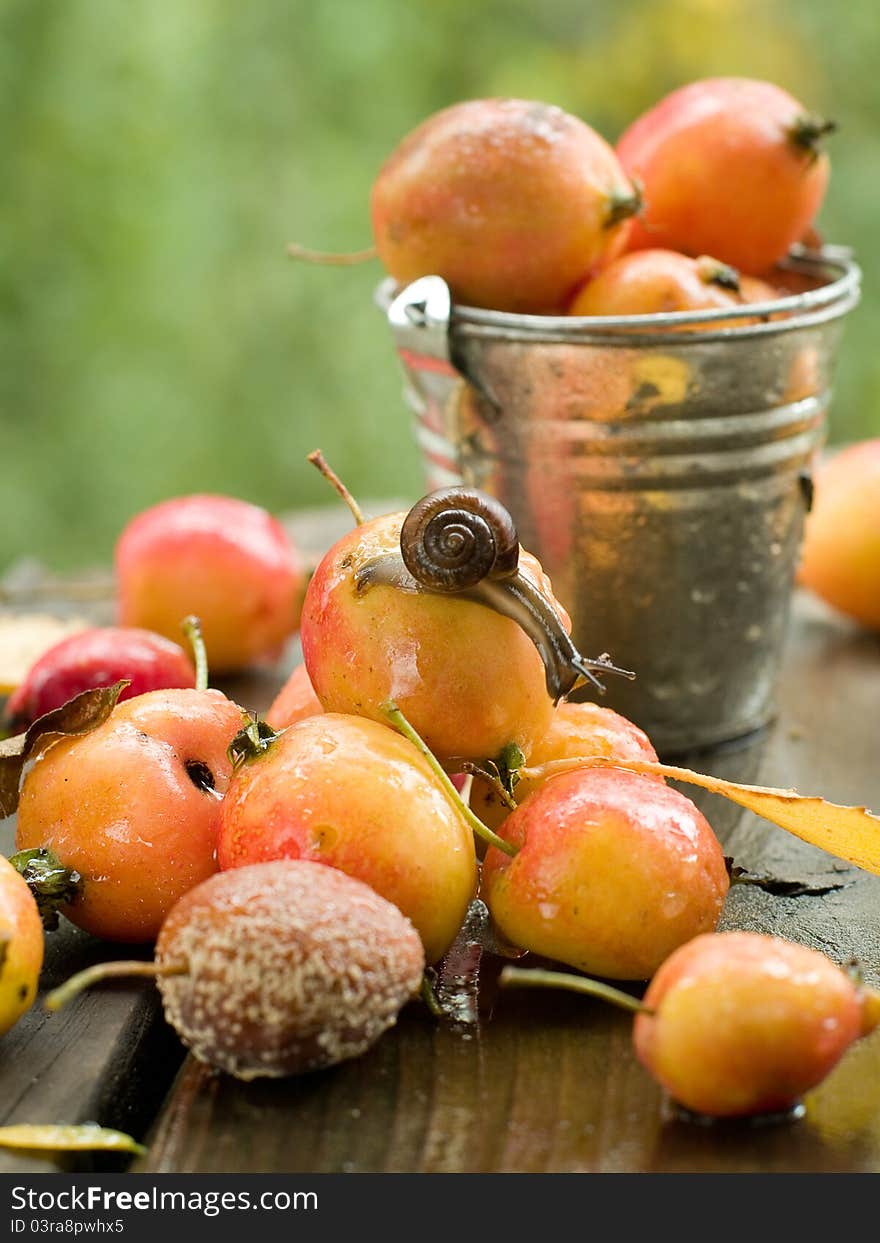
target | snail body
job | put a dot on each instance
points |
(464, 542)
(467, 678)
(451, 619)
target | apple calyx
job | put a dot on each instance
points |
(624, 203)
(807, 131)
(714, 272)
(255, 738)
(51, 883)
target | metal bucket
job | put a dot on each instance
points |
(661, 476)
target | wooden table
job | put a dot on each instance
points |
(537, 1082)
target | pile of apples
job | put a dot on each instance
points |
(522, 207)
(299, 874)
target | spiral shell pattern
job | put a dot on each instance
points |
(454, 538)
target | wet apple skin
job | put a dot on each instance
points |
(295, 701)
(746, 1023)
(469, 680)
(354, 794)
(119, 806)
(614, 871)
(21, 940)
(228, 562)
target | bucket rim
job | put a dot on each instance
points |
(838, 294)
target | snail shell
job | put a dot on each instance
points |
(454, 538)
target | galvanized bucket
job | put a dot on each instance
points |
(659, 467)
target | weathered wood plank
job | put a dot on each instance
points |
(550, 1083)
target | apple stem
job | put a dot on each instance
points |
(521, 977)
(109, 971)
(491, 779)
(192, 628)
(429, 997)
(331, 258)
(318, 460)
(395, 717)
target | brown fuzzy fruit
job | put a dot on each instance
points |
(289, 966)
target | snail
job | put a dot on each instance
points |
(462, 542)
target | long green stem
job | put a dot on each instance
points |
(192, 628)
(108, 971)
(521, 977)
(395, 717)
(429, 997)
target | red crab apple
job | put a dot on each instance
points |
(98, 657)
(650, 282)
(741, 1023)
(512, 202)
(613, 872)
(226, 561)
(295, 701)
(841, 554)
(575, 730)
(21, 946)
(350, 792)
(133, 808)
(729, 167)
(441, 611)
(738, 1023)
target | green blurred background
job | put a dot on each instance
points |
(158, 155)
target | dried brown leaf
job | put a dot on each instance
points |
(79, 715)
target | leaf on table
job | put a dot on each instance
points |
(79, 715)
(61, 1138)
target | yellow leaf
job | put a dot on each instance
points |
(82, 1138)
(850, 833)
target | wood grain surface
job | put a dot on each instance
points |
(538, 1082)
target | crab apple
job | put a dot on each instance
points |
(351, 793)
(841, 555)
(729, 167)
(98, 657)
(469, 679)
(575, 730)
(613, 872)
(514, 203)
(295, 701)
(133, 807)
(277, 969)
(228, 562)
(740, 1023)
(21, 946)
(651, 282)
